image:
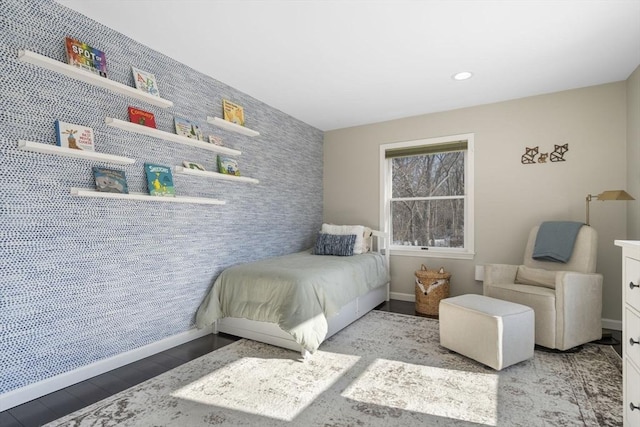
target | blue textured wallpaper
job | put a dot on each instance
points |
(84, 279)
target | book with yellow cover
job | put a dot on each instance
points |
(233, 112)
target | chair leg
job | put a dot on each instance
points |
(575, 349)
(607, 339)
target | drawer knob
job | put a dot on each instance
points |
(632, 341)
(632, 406)
(633, 285)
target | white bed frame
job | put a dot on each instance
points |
(271, 333)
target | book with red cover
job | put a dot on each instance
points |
(142, 117)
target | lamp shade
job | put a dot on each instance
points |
(608, 195)
(614, 195)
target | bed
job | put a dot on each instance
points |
(297, 301)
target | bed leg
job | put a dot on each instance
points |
(305, 355)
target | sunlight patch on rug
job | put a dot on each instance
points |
(384, 370)
(447, 393)
(248, 384)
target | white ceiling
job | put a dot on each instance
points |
(335, 64)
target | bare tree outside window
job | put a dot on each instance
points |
(427, 200)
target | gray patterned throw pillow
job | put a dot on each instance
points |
(334, 244)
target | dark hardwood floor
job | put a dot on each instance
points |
(62, 402)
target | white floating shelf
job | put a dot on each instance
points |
(91, 78)
(214, 175)
(146, 130)
(37, 147)
(217, 121)
(83, 192)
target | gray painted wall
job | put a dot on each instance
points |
(510, 197)
(85, 279)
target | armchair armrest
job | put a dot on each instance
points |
(584, 281)
(499, 273)
(578, 308)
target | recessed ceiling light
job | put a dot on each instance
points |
(464, 75)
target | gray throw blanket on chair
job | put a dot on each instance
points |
(555, 240)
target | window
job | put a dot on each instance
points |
(427, 196)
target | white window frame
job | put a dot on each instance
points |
(467, 252)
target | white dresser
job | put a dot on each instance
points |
(631, 330)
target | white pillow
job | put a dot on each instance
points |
(367, 239)
(361, 245)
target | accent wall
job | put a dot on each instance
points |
(84, 279)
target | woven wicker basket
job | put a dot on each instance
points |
(431, 287)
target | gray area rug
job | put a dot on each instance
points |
(386, 369)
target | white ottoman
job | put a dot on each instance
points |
(494, 332)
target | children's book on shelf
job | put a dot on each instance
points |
(159, 180)
(189, 129)
(193, 165)
(145, 81)
(83, 56)
(228, 166)
(110, 180)
(74, 136)
(233, 112)
(216, 140)
(142, 117)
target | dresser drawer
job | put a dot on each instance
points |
(632, 276)
(631, 395)
(632, 332)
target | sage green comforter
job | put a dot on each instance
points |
(298, 291)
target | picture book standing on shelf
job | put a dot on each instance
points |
(110, 180)
(233, 112)
(145, 82)
(142, 117)
(82, 55)
(216, 140)
(74, 136)
(193, 165)
(189, 129)
(228, 166)
(159, 180)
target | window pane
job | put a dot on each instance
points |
(428, 223)
(440, 174)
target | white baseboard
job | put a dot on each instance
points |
(402, 297)
(615, 325)
(33, 391)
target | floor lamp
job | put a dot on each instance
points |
(607, 338)
(608, 195)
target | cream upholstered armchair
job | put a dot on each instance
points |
(566, 297)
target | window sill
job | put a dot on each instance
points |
(432, 253)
